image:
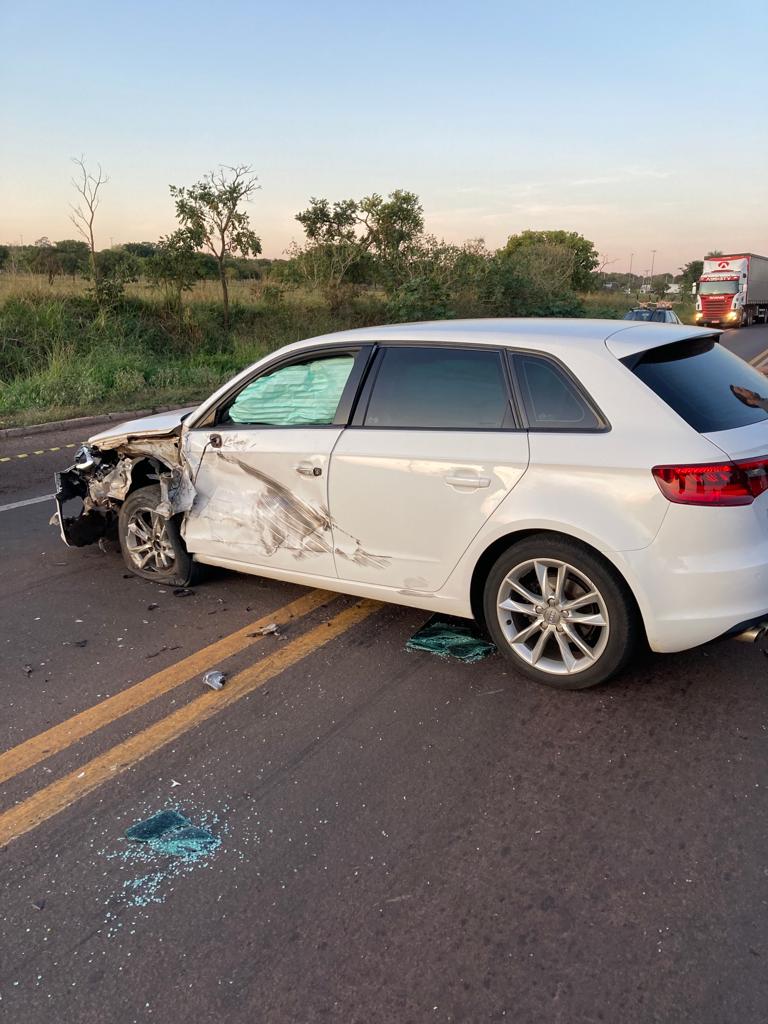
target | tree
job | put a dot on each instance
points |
(585, 256)
(173, 266)
(144, 250)
(115, 268)
(391, 225)
(690, 274)
(5, 256)
(73, 256)
(714, 254)
(88, 186)
(44, 259)
(209, 214)
(343, 236)
(334, 243)
(531, 280)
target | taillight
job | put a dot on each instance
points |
(717, 483)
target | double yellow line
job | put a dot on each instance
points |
(47, 802)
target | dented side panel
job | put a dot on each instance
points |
(261, 498)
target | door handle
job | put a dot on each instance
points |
(307, 469)
(214, 440)
(468, 481)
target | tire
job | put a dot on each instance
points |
(168, 560)
(544, 644)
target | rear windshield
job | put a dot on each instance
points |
(710, 387)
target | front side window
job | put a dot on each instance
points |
(440, 389)
(300, 395)
(551, 399)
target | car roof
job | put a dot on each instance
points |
(620, 337)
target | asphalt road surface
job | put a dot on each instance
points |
(400, 839)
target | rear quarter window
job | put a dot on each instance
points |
(551, 399)
(708, 386)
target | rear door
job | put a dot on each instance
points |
(261, 466)
(434, 447)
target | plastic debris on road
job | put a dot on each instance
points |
(270, 630)
(449, 637)
(214, 679)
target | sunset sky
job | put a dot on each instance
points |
(642, 131)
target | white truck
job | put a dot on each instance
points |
(733, 291)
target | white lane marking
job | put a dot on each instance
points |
(29, 501)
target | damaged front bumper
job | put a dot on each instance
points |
(89, 524)
(99, 481)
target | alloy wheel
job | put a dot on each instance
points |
(553, 616)
(148, 543)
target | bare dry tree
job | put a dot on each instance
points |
(87, 185)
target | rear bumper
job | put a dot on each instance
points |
(704, 577)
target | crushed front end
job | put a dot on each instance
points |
(87, 484)
(101, 477)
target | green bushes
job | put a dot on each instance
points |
(61, 355)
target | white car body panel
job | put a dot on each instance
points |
(160, 424)
(417, 498)
(742, 442)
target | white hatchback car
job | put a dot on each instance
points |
(573, 485)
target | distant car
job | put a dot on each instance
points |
(653, 315)
(575, 484)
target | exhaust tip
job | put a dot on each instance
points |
(753, 634)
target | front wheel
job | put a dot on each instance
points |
(151, 544)
(559, 613)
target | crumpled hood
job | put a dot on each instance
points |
(163, 424)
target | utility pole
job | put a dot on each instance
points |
(653, 260)
(631, 257)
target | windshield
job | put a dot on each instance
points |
(718, 287)
(639, 314)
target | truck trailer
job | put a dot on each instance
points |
(733, 291)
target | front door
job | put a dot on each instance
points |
(433, 450)
(262, 469)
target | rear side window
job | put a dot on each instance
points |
(551, 399)
(439, 388)
(710, 387)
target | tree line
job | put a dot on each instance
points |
(349, 245)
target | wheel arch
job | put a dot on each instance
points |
(491, 553)
(146, 471)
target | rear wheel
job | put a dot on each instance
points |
(151, 544)
(559, 613)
